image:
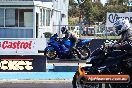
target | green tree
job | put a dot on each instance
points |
(87, 9)
(115, 6)
(92, 11)
(121, 2)
(98, 12)
(95, 11)
(117, 2)
(73, 9)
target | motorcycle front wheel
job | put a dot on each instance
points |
(81, 82)
(51, 54)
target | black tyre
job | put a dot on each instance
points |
(81, 82)
(76, 83)
(84, 52)
(74, 80)
(50, 53)
(75, 54)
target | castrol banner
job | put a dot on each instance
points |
(10, 47)
(112, 18)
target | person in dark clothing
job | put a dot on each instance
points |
(68, 35)
(123, 28)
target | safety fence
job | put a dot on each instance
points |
(98, 32)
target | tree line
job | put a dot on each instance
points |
(90, 12)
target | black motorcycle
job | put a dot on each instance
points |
(104, 61)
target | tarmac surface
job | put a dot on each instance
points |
(35, 84)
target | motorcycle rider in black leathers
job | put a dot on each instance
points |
(123, 28)
(68, 35)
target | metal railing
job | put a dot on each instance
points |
(98, 32)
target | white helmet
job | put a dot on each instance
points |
(121, 25)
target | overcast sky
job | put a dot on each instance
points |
(103, 1)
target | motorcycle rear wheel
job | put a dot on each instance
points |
(75, 54)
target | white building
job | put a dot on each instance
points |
(25, 20)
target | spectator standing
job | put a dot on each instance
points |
(84, 31)
(81, 30)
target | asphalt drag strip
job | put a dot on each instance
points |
(35, 84)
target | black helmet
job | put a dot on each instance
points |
(63, 30)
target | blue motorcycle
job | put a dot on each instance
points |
(64, 48)
(61, 48)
